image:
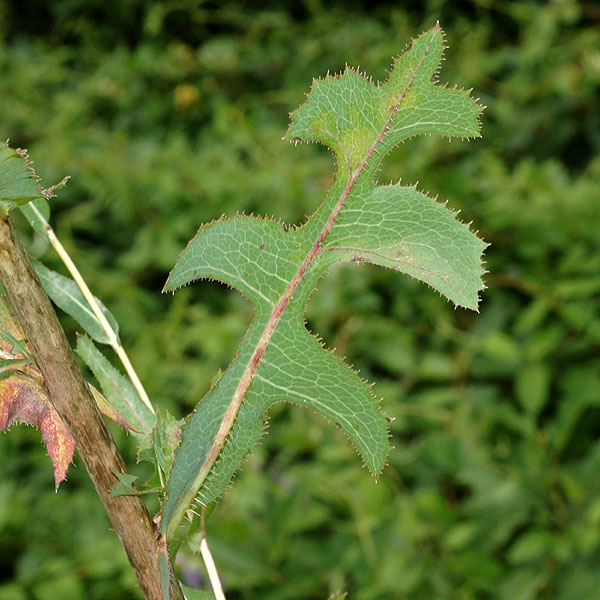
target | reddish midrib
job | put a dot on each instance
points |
(246, 379)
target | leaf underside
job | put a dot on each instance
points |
(277, 269)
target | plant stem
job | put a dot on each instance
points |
(213, 575)
(211, 568)
(73, 401)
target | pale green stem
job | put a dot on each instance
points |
(215, 582)
(85, 290)
(211, 568)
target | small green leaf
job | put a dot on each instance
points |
(13, 362)
(191, 594)
(65, 293)
(125, 485)
(529, 547)
(158, 447)
(18, 181)
(118, 390)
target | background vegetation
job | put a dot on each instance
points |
(168, 114)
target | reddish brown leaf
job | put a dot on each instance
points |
(23, 398)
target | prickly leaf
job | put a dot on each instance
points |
(277, 269)
(37, 212)
(18, 182)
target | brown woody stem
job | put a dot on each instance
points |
(73, 401)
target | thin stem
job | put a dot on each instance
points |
(213, 575)
(106, 326)
(211, 568)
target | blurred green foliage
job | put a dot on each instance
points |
(170, 113)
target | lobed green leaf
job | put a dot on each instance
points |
(278, 268)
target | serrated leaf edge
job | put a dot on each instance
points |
(250, 370)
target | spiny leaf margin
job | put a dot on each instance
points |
(246, 261)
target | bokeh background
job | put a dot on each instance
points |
(170, 113)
